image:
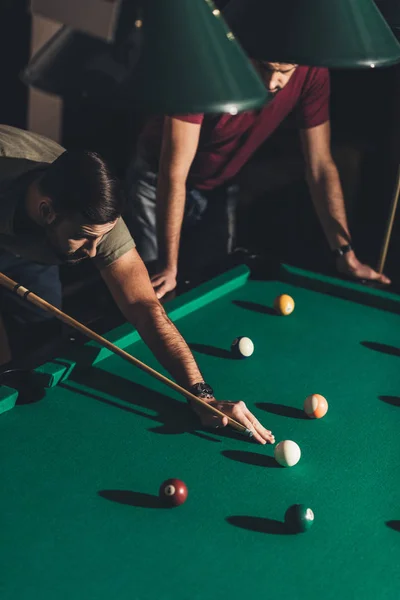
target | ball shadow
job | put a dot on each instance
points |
(211, 350)
(394, 524)
(130, 498)
(259, 524)
(282, 410)
(252, 458)
(255, 307)
(393, 400)
(384, 348)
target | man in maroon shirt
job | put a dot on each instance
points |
(186, 163)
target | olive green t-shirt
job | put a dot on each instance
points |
(23, 157)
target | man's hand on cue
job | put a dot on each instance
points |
(349, 265)
(237, 411)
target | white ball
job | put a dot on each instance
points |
(287, 453)
(243, 346)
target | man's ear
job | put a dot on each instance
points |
(46, 211)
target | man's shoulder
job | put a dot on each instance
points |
(313, 75)
(313, 103)
(114, 244)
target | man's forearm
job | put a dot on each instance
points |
(327, 195)
(170, 208)
(166, 343)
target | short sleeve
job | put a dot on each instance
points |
(195, 119)
(313, 107)
(114, 245)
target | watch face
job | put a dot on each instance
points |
(207, 389)
(203, 389)
(342, 250)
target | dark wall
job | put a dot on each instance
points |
(14, 54)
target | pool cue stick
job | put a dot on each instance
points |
(389, 227)
(29, 296)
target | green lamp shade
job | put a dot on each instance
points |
(190, 61)
(326, 33)
(175, 56)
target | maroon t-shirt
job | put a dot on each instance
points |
(228, 141)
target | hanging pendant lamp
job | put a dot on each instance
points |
(325, 33)
(176, 56)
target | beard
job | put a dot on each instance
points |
(66, 258)
(71, 258)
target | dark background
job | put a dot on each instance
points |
(279, 222)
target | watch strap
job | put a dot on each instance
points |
(202, 390)
(342, 250)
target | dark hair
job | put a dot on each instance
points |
(80, 182)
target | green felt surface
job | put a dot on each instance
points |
(8, 398)
(80, 470)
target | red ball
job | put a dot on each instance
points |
(173, 492)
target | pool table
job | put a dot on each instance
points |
(81, 466)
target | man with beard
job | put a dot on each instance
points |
(59, 207)
(179, 181)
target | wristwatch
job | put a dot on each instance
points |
(202, 390)
(342, 250)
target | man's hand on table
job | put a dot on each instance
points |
(349, 265)
(164, 281)
(237, 411)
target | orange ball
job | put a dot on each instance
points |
(315, 406)
(284, 304)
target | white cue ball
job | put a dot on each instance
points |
(242, 346)
(287, 453)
